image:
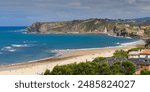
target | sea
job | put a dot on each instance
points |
(17, 46)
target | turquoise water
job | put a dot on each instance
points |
(16, 46)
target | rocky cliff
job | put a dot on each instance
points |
(87, 26)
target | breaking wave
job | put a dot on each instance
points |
(131, 43)
(19, 45)
(13, 47)
(8, 48)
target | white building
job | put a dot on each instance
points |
(140, 54)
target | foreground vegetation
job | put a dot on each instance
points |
(100, 66)
(145, 72)
(93, 68)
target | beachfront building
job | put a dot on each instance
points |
(134, 54)
(139, 54)
(145, 53)
(141, 58)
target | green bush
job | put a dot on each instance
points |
(125, 68)
(120, 54)
(104, 69)
(100, 60)
(128, 68)
(64, 69)
(86, 68)
(47, 72)
(145, 72)
(116, 69)
(136, 49)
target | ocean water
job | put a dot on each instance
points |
(16, 46)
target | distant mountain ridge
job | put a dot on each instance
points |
(144, 18)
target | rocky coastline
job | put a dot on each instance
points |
(124, 28)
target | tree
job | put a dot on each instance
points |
(64, 69)
(47, 72)
(147, 45)
(104, 69)
(86, 68)
(145, 72)
(125, 68)
(120, 54)
(128, 67)
(116, 69)
(100, 60)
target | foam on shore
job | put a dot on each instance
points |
(63, 51)
(139, 42)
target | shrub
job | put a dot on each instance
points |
(100, 60)
(47, 72)
(87, 68)
(128, 67)
(136, 49)
(120, 54)
(64, 69)
(104, 69)
(116, 69)
(145, 72)
(125, 68)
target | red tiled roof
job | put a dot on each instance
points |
(145, 52)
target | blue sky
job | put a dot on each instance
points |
(25, 12)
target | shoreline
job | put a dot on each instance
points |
(37, 67)
(61, 52)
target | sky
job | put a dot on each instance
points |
(25, 12)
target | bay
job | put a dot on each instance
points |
(16, 46)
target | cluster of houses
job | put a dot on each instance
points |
(141, 58)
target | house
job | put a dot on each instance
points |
(141, 58)
(134, 54)
(139, 54)
(145, 53)
(142, 63)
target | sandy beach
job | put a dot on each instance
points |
(37, 67)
